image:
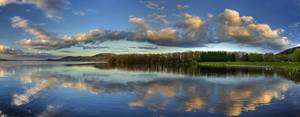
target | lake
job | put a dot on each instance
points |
(73, 89)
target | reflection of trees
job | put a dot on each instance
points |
(187, 94)
(2, 114)
(210, 71)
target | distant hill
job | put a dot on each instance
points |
(3, 60)
(98, 57)
(289, 51)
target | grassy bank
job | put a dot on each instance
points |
(270, 65)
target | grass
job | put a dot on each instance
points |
(271, 65)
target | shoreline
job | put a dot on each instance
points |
(294, 66)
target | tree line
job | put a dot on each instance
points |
(186, 58)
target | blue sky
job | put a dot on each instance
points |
(161, 18)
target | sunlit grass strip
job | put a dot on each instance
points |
(271, 65)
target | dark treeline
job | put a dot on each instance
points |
(187, 58)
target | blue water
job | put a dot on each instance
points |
(52, 89)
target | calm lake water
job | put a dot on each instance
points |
(45, 89)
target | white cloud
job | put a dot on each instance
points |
(244, 29)
(182, 6)
(160, 18)
(44, 39)
(136, 20)
(154, 5)
(295, 25)
(79, 13)
(191, 24)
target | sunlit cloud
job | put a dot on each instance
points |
(244, 29)
(189, 31)
(191, 26)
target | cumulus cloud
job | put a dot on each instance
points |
(136, 20)
(228, 26)
(147, 33)
(184, 33)
(189, 30)
(244, 29)
(166, 33)
(140, 22)
(51, 7)
(191, 24)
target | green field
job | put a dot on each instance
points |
(271, 65)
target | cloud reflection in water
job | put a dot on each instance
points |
(184, 94)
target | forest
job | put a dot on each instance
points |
(188, 58)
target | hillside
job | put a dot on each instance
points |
(286, 55)
(3, 60)
(289, 51)
(98, 57)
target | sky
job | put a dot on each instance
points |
(44, 28)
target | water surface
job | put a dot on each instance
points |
(49, 89)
